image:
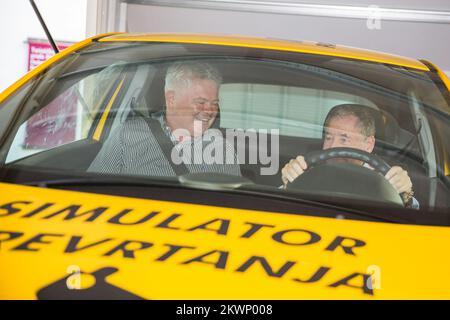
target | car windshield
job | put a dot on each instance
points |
(233, 118)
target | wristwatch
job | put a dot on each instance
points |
(407, 198)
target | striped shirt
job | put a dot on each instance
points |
(132, 149)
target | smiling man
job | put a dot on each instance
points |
(173, 142)
(352, 126)
(192, 100)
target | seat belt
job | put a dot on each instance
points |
(166, 145)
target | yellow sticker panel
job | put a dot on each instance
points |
(73, 244)
(273, 44)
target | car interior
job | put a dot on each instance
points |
(394, 143)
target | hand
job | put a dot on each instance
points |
(293, 169)
(399, 179)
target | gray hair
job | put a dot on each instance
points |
(363, 113)
(181, 73)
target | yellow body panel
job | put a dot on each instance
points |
(222, 255)
(274, 44)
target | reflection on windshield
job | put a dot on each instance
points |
(335, 130)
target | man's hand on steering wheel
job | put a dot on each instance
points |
(400, 180)
(293, 169)
(396, 176)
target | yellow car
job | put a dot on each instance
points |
(96, 204)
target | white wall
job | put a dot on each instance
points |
(66, 20)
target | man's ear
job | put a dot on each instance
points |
(170, 98)
(370, 144)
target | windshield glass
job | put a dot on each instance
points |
(306, 126)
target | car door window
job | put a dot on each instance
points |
(68, 117)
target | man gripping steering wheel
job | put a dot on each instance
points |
(352, 126)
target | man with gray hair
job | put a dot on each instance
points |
(352, 126)
(174, 142)
(191, 93)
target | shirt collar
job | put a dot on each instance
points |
(161, 117)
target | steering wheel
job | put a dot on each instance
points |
(319, 158)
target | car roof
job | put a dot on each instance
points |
(271, 44)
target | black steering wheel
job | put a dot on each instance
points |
(317, 179)
(318, 157)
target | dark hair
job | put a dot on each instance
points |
(363, 113)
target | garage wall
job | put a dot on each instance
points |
(399, 4)
(66, 20)
(415, 38)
